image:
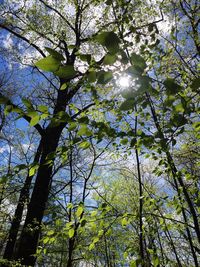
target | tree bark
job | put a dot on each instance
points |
(31, 230)
(23, 198)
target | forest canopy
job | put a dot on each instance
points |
(99, 133)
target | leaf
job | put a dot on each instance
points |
(45, 240)
(84, 130)
(109, 59)
(72, 126)
(124, 222)
(133, 263)
(51, 232)
(104, 76)
(110, 40)
(43, 109)
(8, 109)
(69, 205)
(195, 84)
(95, 240)
(63, 86)
(84, 145)
(138, 61)
(91, 246)
(65, 72)
(49, 63)
(55, 54)
(85, 57)
(92, 76)
(33, 170)
(71, 232)
(79, 211)
(83, 222)
(124, 141)
(34, 120)
(93, 213)
(171, 86)
(127, 104)
(27, 103)
(3, 100)
(156, 261)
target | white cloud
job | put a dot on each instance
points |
(7, 41)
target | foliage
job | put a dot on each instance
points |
(100, 174)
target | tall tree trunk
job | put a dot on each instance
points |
(176, 176)
(31, 230)
(23, 198)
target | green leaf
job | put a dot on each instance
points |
(104, 76)
(71, 232)
(45, 240)
(92, 76)
(172, 87)
(93, 213)
(69, 205)
(84, 145)
(34, 120)
(65, 72)
(156, 261)
(127, 105)
(110, 40)
(27, 103)
(109, 59)
(138, 61)
(124, 141)
(3, 100)
(124, 222)
(55, 54)
(84, 130)
(43, 109)
(195, 84)
(95, 240)
(33, 170)
(179, 108)
(124, 58)
(8, 109)
(63, 86)
(72, 126)
(49, 63)
(83, 222)
(91, 246)
(50, 232)
(86, 57)
(79, 211)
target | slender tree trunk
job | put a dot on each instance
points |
(140, 197)
(23, 198)
(174, 171)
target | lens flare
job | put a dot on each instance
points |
(124, 81)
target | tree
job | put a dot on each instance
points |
(77, 50)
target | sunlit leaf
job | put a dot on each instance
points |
(34, 120)
(71, 232)
(49, 63)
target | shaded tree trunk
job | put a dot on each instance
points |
(31, 230)
(23, 198)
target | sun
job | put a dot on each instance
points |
(124, 81)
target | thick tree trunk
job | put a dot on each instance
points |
(31, 230)
(23, 198)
